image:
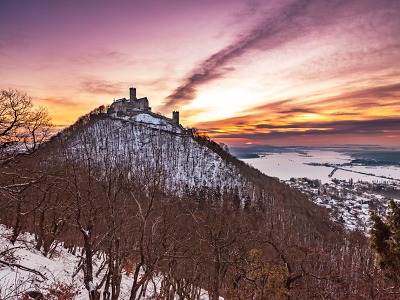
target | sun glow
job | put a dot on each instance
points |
(217, 104)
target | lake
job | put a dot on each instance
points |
(286, 165)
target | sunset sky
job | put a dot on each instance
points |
(277, 72)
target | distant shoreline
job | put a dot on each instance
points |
(337, 167)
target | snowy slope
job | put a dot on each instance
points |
(14, 281)
(154, 149)
(60, 269)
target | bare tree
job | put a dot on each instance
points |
(22, 128)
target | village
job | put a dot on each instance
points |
(350, 203)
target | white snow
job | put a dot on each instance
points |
(146, 118)
(59, 269)
(14, 281)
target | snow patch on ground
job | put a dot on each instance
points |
(15, 281)
(145, 118)
(151, 121)
(59, 269)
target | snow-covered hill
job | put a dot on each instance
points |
(153, 149)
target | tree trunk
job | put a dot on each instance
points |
(17, 226)
(40, 236)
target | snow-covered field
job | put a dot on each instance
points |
(295, 165)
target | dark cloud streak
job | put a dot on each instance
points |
(60, 101)
(98, 86)
(347, 125)
(209, 69)
(351, 127)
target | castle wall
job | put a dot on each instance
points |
(142, 104)
(119, 106)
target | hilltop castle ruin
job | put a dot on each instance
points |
(134, 106)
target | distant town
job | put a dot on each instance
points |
(350, 203)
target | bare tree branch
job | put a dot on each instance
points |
(23, 268)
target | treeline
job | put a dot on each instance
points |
(119, 191)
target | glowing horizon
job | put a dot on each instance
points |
(292, 72)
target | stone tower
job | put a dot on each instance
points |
(175, 117)
(132, 94)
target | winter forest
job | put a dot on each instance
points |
(132, 199)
